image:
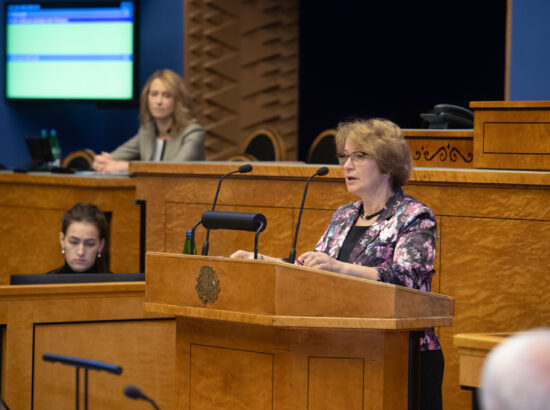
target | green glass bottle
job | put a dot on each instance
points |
(46, 166)
(187, 249)
(56, 149)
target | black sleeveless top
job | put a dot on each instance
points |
(354, 235)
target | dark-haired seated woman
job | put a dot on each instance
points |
(83, 240)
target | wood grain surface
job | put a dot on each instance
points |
(493, 233)
(31, 211)
(104, 322)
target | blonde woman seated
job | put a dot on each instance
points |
(169, 130)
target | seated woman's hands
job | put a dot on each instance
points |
(106, 164)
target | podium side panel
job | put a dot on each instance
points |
(229, 365)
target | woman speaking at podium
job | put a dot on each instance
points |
(169, 130)
(386, 235)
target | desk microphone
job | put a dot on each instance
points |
(243, 169)
(292, 257)
(135, 393)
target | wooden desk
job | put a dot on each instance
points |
(104, 322)
(31, 209)
(511, 134)
(473, 348)
(441, 148)
(494, 230)
(271, 335)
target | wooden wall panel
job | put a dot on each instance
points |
(493, 227)
(300, 359)
(511, 134)
(32, 246)
(507, 138)
(230, 378)
(493, 268)
(100, 321)
(144, 349)
(441, 148)
(241, 65)
(225, 242)
(31, 211)
(336, 383)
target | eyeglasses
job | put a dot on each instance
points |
(357, 157)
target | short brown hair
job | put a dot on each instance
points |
(383, 140)
(183, 112)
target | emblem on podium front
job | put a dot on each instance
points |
(208, 285)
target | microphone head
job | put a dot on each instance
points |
(245, 168)
(322, 171)
(133, 392)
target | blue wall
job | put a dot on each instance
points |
(530, 51)
(83, 124)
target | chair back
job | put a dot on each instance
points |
(81, 160)
(265, 144)
(323, 149)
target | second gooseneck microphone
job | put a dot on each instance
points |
(243, 169)
(135, 393)
(292, 257)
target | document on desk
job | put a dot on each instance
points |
(99, 174)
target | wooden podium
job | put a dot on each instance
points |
(263, 335)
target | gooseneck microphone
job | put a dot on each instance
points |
(135, 393)
(292, 257)
(243, 169)
(240, 221)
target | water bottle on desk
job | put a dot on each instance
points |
(187, 249)
(46, 166)
(56, 149)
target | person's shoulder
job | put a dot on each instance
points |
(146, 128)
(145, 132)
(194, 127)
(60, 269)
(411, 206)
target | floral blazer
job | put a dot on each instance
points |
(400, 244)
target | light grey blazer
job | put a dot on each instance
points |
(188, 145)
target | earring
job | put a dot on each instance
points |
(98, 255)
(63, 251)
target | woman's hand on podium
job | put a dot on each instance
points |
(240, 254)
(321, 260)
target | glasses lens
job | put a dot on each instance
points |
(358, 157)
